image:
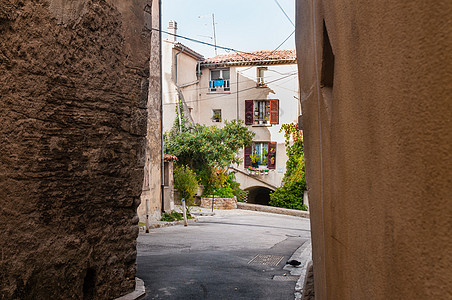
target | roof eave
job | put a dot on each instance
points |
(251, 63)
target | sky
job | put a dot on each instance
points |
(244, 25)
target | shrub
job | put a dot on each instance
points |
(224, 192)
(173, 216)
(290, 194)
(185, 182)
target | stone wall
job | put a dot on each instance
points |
(220, 203)
(73, 97)
(375, 88)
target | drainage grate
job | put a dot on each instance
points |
(285, 278)
(266, 259)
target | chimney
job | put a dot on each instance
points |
(172, 28)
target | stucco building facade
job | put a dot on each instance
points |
(375, 85)
(259, 87)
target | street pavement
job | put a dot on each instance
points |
(210, 259)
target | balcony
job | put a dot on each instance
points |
(219, 86)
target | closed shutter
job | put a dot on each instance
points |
(248, 152)
(274, 111)
(271, 159)
(249, 112)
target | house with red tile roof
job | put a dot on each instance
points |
(258, 87)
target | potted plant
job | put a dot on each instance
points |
(255, 160)
(216, 118)
(266, 171)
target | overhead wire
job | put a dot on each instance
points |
(232, 93)
(205, 43)
(284, 12)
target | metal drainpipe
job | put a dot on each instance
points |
(237, 80)
(162, 166)
(178, 103)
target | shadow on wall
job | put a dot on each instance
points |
(259, 195)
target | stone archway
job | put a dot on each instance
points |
(259, 195)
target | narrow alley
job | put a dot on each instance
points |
(234, 254)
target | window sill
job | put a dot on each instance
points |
(261, 125)
(261, 87)
(216, 93)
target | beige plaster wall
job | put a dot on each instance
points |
(186, 69)
(378, 147)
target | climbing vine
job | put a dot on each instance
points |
(290, 194)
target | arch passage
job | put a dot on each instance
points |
(259, 195)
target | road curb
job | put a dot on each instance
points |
(161, 224)
(139, 292)
(271, 209)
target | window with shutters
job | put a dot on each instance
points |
(261, 112)
(265, 151)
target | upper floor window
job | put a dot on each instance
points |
(219, 80)
(260, 76)
(261, 112)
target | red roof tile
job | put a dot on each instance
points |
(253, 56)
(188, 50)
(169, 157)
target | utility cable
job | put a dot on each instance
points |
(232, 93)
(205, 43)
(284, 12)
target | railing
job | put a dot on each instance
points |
(260, 82)
(219, 85)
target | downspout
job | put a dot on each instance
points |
(237, 84)
(162, 164)
(178, 102)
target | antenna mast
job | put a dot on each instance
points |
(214, 35)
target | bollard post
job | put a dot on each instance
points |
(184, 212)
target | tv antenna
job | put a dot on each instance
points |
(214, 38)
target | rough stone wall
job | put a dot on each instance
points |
(151, 197)
(73, 96)
(377, 119)
(220, 203)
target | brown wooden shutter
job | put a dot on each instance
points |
(249, 112)
(248, 152)
(274, 111)
(271, 154)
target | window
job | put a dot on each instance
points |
(261, 150)
(260, 76)
(216, 115)
(261, 112)
(219, 80)
(261, 154)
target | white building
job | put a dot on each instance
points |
(257, 87)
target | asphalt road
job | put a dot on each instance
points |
(210, 259)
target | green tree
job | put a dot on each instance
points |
(185, 182)
(290, 194)
(207, 148)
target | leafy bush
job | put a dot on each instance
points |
(224, 192)
(206, 148)
(174, 216)
(290, 194)
(235, 186)
(185, 182)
